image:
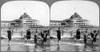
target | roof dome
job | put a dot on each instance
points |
(25, 15)
(75, 16)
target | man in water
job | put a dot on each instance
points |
(59, 34)
(9, 35)
(95, 37)
(78, 33)
(28, 35)
(35, 36)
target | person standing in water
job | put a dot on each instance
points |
(9, 35)
(78, 34)
(35, 36)
(59, 34)
(42, 35)
(28, 35)
(95, 37)
(85, 37)
(45, 36)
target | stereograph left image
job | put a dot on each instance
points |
(24, 26)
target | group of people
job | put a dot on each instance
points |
(92, 35)
(81, 34)
(28, 35)
(43, 35)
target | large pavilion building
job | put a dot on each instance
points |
(74, 21)
(25, 20)
(28, 21)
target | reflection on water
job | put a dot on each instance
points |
(76, 48)
(53, 47)
(94, 49)
(9, 48)
(84, 49)
(58, 47)
(27, 49)
(44, 49)
(35, 47)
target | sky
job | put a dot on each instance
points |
(35, 9)
(86, 9)
(59, 10)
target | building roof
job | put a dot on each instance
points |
(55, 21)
(66, 19)
(76, 15)
(8, 22)
(25, 15)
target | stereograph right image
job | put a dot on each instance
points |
(74, 26)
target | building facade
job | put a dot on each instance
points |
(25, 20)
(74, 21)
(7, 24)
(78, 21)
